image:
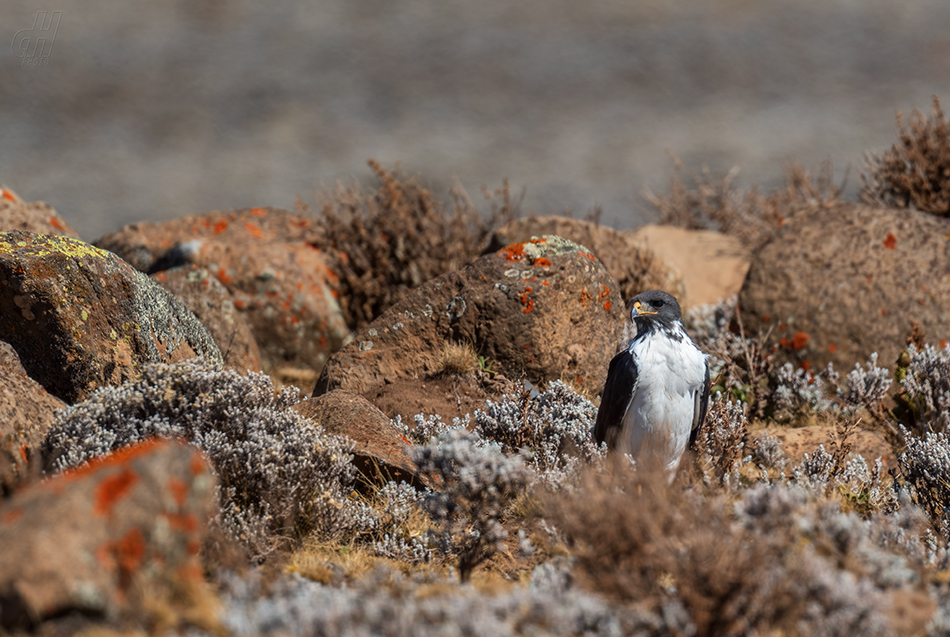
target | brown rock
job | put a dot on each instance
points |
(203, 294)
(380, 450)
(797, 441)
(632, 264)
(838, 284)
(100, 538)
(26, 414)
(269, 261)
(545, 308)
(80, 317)
(38, 216)
(713, 265)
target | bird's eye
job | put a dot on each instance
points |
(658, 304)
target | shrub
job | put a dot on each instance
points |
(553, 428)
(387, 241)
(704, 201)
(772, 562)
(476, 481)
(722, 442)
(925, 467)
(915, 172)
(391, 606)
(280, 475)
(923, 401)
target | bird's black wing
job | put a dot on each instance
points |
(699, 412)
(618, 392)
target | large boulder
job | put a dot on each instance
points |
(837, 284)
(80, 317)
(544, 308)
(37, 216)
(379, 450)
(98, 539)
(26, 414)
(632, 264)
(712, 265)
(268, 259)
(203, 294)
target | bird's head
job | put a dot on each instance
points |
(656, 306)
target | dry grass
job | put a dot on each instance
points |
(914, 172)
(636, 539)
(703, 200)
(390, 239)
(458, 358)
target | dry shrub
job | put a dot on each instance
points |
(388, 240)
(915, 172)
(458, 358)
(637, 540)
(706, 201)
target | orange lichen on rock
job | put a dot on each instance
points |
(890, 241)
(258, 212)
(9, 196)
(11, 516)
(179, 491)
(542, 262)
(607, 305)
(125, 554)
(526, 300)
(513, 252)
(186, 522)
(118, 457)
(224, 277)
(799, 341)
(585, 297)
(220, 226)
(254, 230)
(56, 223)
(113, 489)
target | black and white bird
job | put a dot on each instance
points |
(657, 388)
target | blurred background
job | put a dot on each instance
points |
(146, 111)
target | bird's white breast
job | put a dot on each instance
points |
(659, 419)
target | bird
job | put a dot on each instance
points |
(657, 389)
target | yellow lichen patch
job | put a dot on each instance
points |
(42, 245)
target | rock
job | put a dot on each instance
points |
(837, 284)
(26, 414)
(101, 538)
(268, 259)
(712, 265)
(80, 317)
(546, 308)
(634, 266)
(797, 441)
(38, 216)
(380, 451)
(203, 294)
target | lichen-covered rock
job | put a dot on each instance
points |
(100, 538)
(712, 265)
(546, 308)
(212, 303)
(837, 284)
(80, 317)
(632, 264)
(268, 259)
(26, 414)
(379, 450)
(38, 216)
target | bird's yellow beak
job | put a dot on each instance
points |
(638, 307)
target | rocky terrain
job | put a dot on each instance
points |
(374, 418)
